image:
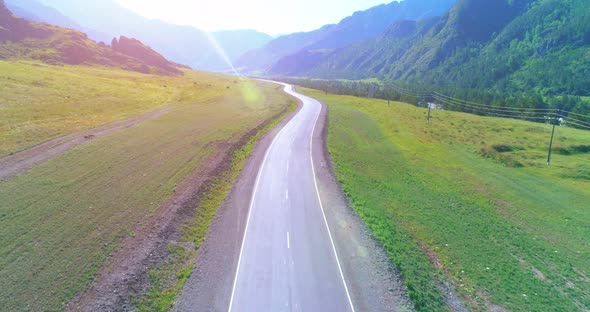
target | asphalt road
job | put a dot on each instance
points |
(288, 261)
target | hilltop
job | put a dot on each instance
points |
(21, 38)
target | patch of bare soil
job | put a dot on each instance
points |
(446, 288)
(20, 162)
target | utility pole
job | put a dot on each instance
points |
(429, 108)
(552, 134)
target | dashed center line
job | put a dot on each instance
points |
(288, 241)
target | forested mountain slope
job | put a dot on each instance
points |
(363, 25)
(506, 45)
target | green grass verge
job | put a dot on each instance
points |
(61, 220)
(167, 280)
(468, 199)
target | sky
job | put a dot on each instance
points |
(273, 17)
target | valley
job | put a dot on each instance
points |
(417, 155)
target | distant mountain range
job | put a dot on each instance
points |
(303, 49)
(540, 46)
(21, 38)
(182, 44)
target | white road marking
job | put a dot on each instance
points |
(288, 241)
(315, 180)
(231, 302)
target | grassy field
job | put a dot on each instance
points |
(61, 220)
(470, 200)
(39, 102)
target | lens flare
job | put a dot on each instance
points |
(221, 53)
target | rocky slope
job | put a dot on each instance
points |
(20, 38)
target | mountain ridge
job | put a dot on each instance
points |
(360, 26)
(180, 43)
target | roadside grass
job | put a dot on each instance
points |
(470, 200)
(60, 221)
(39, 102)
(167, 281)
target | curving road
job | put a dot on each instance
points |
(288, 261)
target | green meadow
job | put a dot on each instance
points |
(469, 200)
(39, 102)
(61, 220)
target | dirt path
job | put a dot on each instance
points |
(20, 162)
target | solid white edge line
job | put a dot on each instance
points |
(315, 180)
(231, 302)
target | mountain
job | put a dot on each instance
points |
(20, 38)
(504, 45)
(259, 60)
(38, 12)
(360, 26)
(182, 44)
(237, 42)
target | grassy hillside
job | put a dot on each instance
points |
(40, 102)
(469, 199)
(60, 221)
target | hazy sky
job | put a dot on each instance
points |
(270, 16)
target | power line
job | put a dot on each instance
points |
(584, 116)
(487, 108)
(483, 105)
(499, 112)
(574, 119)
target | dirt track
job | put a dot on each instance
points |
(17, 163)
